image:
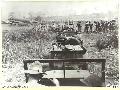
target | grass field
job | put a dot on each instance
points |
(21, 43)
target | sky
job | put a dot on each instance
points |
(59, 8)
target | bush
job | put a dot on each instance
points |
(107, 41)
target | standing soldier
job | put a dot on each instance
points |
(71, 25)
(102, 26)
(97, 26)
(86, 27)
(91, 27)
(79, 26)
(106, 26)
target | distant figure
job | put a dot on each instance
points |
(91, 27)
(79, 26)
(60, 39)
(86, 27)
(106, 26)
(96, 28)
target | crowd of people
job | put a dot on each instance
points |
(100, 26)
(81, 26)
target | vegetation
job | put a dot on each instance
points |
(28, 43)
(107, 41)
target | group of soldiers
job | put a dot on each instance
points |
(80, 26)
(87, 26)
(100, 26)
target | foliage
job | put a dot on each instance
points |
(107, 41)
(21, 43)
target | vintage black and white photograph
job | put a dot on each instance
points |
(60, 43)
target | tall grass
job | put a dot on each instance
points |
(107, 41)
(26, 43)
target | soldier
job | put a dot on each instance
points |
(86, 27)
(79, 26)
(106, 26)
(97, 26)
(102, 26)
(60, 39)
(91, 27)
